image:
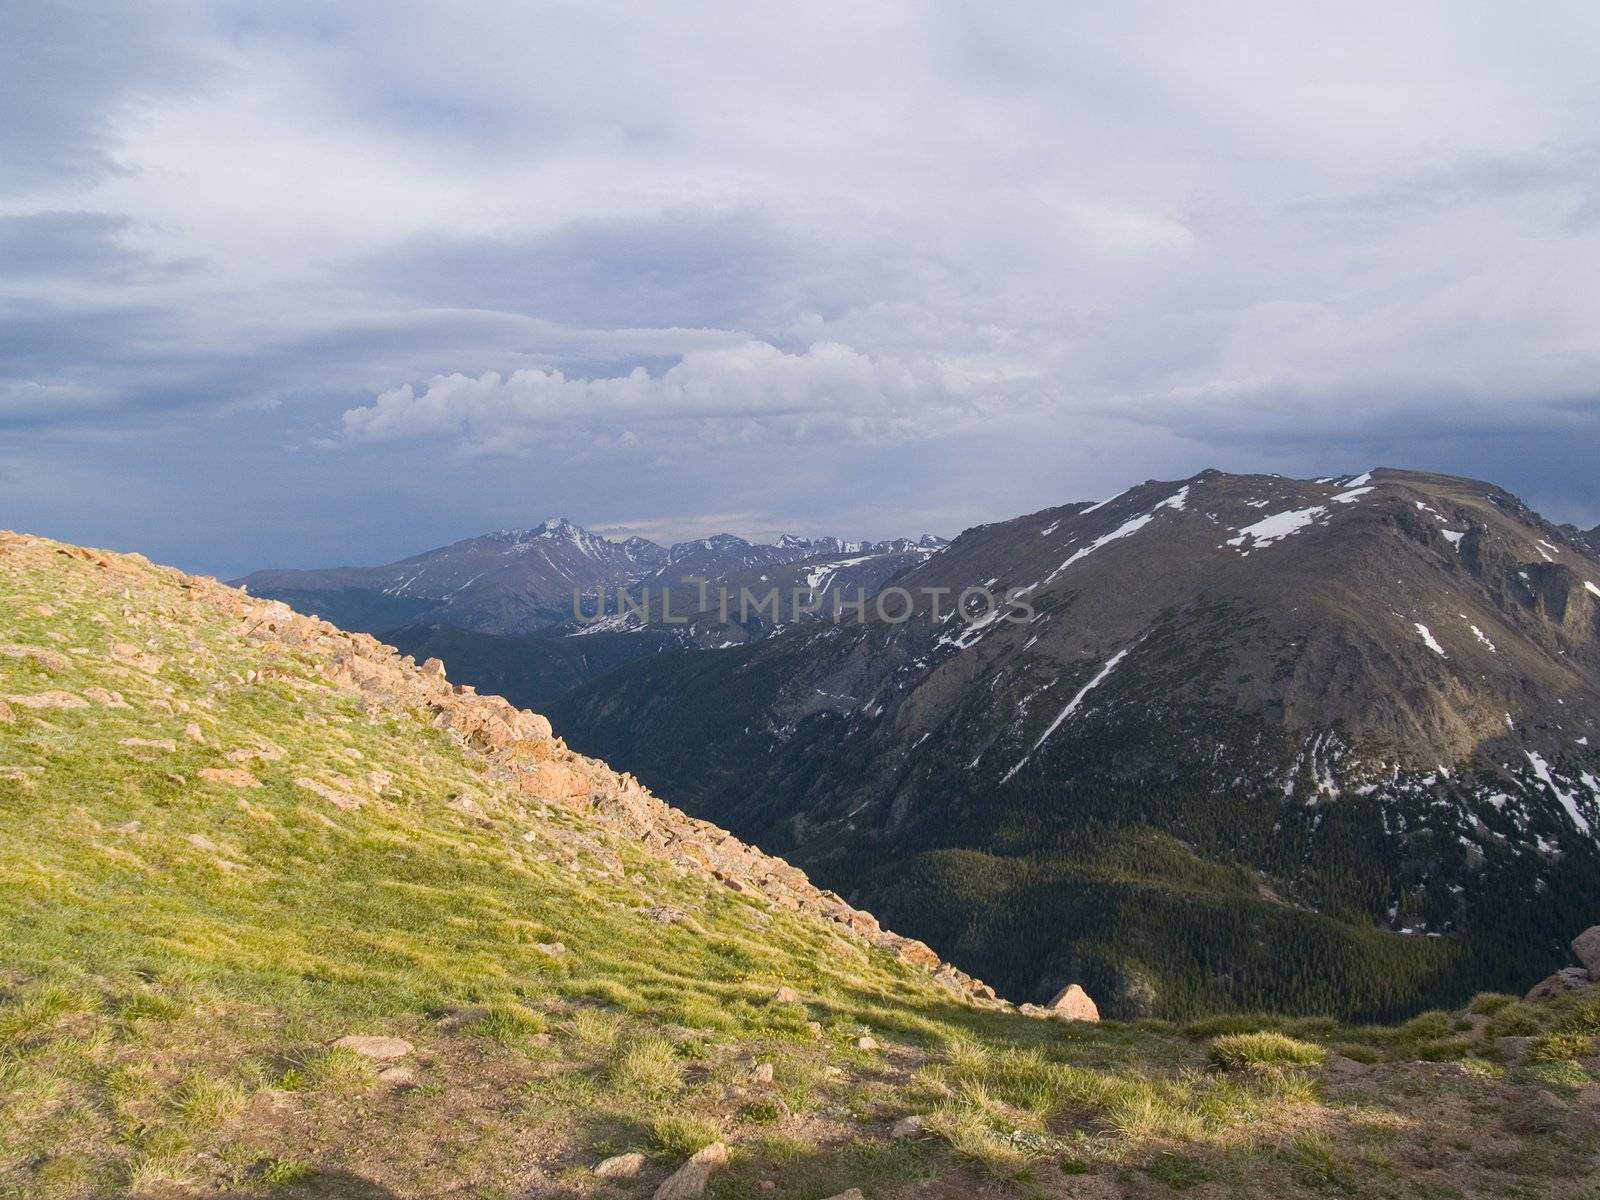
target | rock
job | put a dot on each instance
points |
(51, 699)
(689, 1181)
(397, 1076)
(786, 995)
(48, 660)
(761, 1073)
(1587, 947)
(434, 666)
(620, 1166)
(106, 699)
(340, 800)
(232, 776)
(5, 712)
(201, 842)
(136, 743)
(866, 1043)
(126, 827)
(193, 733)
(1072, 1003)
(1568, 979)
(380, 1048)
(552, 948)
(852, 1194)
(906, 1127)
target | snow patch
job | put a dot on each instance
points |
(1429, 639)
(1568, 800)
(1072, 707)
(1277, 527)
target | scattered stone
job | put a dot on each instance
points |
(137, 743)
(398, 1077)
(340, 800)
(786, 995)
(5, 712)
(689, 1181)
(232, 776)
(866, 1043)
(126, 827)
(377, 1047)
(1072, 1003)
(761, 1073)
(51, 699)
(43, 610)
(106, 699)
(245, 753)
(193, 733)
(1587, 947)
(551, 948)
(852, 1194)
(201, 842)
(49, 660)
(379, 781)
(906, 1127)
(618, 1166)
(22, 775)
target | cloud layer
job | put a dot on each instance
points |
(864, 269)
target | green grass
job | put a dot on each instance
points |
(180, 956)
(1240, 1051)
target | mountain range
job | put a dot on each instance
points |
(520, 581)
(1356, 715)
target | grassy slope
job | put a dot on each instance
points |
(179, 953)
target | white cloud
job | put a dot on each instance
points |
(751, 390)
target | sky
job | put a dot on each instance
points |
(304, 284)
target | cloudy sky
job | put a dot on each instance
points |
(311, 283)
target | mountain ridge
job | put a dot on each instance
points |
(1278, 672)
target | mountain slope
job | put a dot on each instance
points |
(285, 914)
(1358, 716)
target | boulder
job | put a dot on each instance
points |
(621, 1166)
(1568, 979)
(380, 1048)
(786, 995)
(1072, 1003)
(689, 1181)
(761, 1073)
(1587, 947)
(866, 1043)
